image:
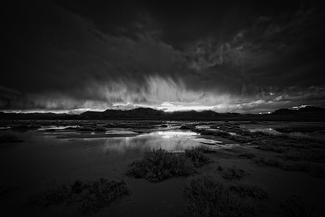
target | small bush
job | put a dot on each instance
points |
(247, 155)
(269, 146)
(222, 134)
(268, 162)
(312, 156)
(314, 170)
(207, 196)
(53, 196)
(78, 186)
(197, 157)
(240, 139)
(101, 193)
(249, 191)
(92, 195)
(232, 173)
(294, 206)
(159, 165)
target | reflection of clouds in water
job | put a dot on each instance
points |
(147, 142)
(175, 134)
(265, 130)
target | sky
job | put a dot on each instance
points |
(226, 56)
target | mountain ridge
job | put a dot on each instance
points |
(142, 113)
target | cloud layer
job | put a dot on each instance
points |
(238, 57)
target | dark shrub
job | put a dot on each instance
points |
(233, 173)
(247, 155)
(294, 206)
(101, 193)
(197, 157)
(53, 196)
(159, 165)
(249, 191)
(207, 196)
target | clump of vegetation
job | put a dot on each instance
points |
(101, 193)
(294, 206)
(312, 156)
(78, 186)
(249, 191)
(53, 196)
(222, 134)
(8, 138)
(232, 173)
(159, 165)
(269, 146)
(314, 170)
(208, 196)
(197, 157)
(258, 135)
(92, 195)
(268, 162)
(240, 139)
(247, 155)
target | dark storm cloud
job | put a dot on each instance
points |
(244, 54)
(55, 55)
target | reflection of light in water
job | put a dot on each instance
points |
(174, 141)
(208, 141)
(168, 140)
(53, 127)
(202, 127)
(173, 134)
(265, 130)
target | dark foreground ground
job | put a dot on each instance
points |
(74, 171)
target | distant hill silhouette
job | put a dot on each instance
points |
(308, 113)
(305, 111)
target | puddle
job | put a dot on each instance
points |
(260, 128)
(173, 141)
(46, 128)
(124, 141)
(173, 134)
(202, 127)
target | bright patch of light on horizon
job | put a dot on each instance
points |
(299, 107)
(169, 107)
(264, 113)
(128, 106)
